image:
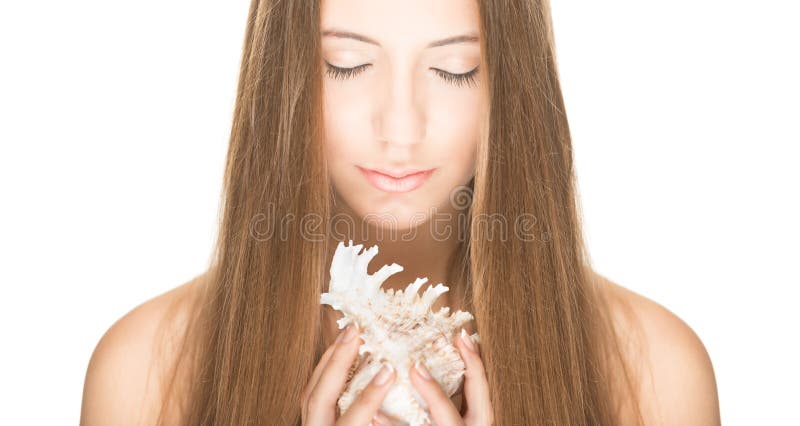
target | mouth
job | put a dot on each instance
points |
(396, 182)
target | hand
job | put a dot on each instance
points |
(328, 381)
(476, 391)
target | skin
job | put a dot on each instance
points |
(400, 113)
(330, 377)
(678, 381)
(399, 110)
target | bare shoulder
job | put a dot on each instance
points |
(122, 384)
(677, 383)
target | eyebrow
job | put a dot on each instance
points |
(464, 38)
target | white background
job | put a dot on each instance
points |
(114, 119)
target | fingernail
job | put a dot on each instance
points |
(384, 374)
(467, 340)
(348, 334)
(422, 371)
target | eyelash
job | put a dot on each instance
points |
(457, 80)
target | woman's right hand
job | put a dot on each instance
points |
(329, 379)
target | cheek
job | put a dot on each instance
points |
(457, 120)
(344, 122)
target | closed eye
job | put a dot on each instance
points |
(458, 80)
(343, 73)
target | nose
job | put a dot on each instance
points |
(401, 118)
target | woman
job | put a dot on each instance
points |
(337, 101)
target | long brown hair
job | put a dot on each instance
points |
(547, 338)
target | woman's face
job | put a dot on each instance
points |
(395, 103)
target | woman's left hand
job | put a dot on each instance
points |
(476, 391)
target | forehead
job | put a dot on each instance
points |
(401, 23)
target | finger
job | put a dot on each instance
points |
(333, 377)
(370, 399)
(313, 381)
(476, 386)
(442, 409)
(323, 360)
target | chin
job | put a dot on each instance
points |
(391, 215)
(397, 218)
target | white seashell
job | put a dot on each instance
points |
(398, 328)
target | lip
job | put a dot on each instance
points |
(396, 182)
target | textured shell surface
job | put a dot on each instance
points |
(398, 328)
